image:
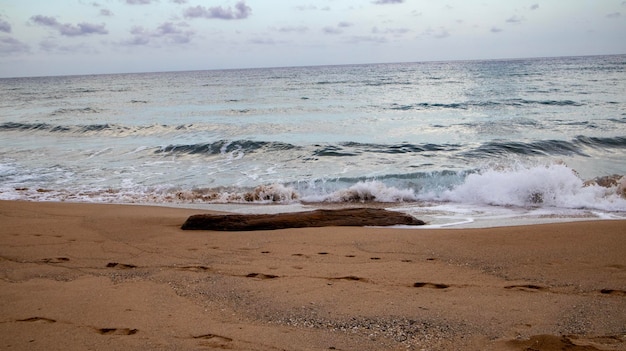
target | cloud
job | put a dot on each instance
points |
(515, 19)
(45, 21)
(495, 30)
(367, 39)
(70, 30)
(167, 32)
(394, 31)
(534, 6)
(614, 15)
(139, 2)
(10, 45)
(241, 11)
(331, 30)
(438, 34)
(383, 2)
(311, 8)
(93, 3)
(292, 29)
(179, 1)
(105, 12)
(337, 29)
(262, 41)
(5, 26)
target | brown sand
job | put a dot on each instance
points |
(110, 277)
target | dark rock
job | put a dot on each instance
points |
(318, 218)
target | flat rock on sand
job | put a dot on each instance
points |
(317, 218)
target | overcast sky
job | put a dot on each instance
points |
(44, 37)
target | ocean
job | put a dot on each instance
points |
(459, 143)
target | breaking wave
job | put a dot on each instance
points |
(544, 186)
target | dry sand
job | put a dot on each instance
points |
(111, 277)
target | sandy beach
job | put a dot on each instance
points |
(114, 277)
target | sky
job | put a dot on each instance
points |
(67, 37)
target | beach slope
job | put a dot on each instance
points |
(102, 277)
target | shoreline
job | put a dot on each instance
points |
(104, 276)
(508, 217)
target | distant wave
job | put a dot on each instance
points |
(616, 142)
(354, 148)
(109, 128)
(62, 111)
(481, 104)
(577, 146)
(545, 147)
(225, 146)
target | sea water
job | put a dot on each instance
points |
(500, 141)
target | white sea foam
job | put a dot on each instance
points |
(366, 191)
(553, 185)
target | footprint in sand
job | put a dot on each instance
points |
(526, 287)
(430, 285)
(54, 260)
(613, 292)
(120, 265)
(213, 336)
(261, 276)
(116, 331)
(214, 341)
(350, 277)
(37, 319)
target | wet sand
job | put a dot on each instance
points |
(113, 277)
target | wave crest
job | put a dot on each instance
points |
(368, 191)
(273, 193)
(553, 185)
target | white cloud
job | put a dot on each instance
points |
(139, 2)
(10, 45)
(331, 30)
(241, 11)
(292, 29)
(5, 26)
(68, 29)
(165, 33)
(515, 19)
